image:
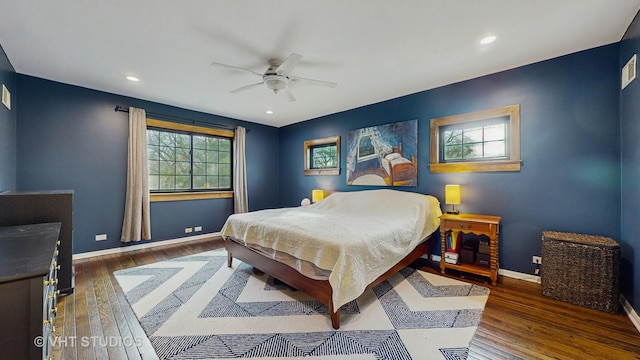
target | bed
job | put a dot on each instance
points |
(335, 249)
(401, 170)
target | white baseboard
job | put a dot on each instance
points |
(146, 245)
(519, 275)
(631, 313)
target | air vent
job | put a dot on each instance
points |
(629, 71)
(6, 97)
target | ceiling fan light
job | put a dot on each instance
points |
(275, 82)
(277, 78)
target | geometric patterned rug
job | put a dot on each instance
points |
(195, 307)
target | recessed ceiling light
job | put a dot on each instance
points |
(488, 39)
(269, 112)
(132, 78)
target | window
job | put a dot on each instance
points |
(322, 156)
(482, 140)
(486, 140)
(185, 159)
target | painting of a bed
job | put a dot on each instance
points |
(336, 249)
(383, 155)
(401, 170)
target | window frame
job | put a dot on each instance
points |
(157, 196)
(310, 144)
(511, 163)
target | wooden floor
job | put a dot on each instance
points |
(96, 322)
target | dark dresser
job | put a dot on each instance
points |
(35, 207)
(28, 288)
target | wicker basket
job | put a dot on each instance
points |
(581, 269)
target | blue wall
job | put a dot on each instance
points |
(70, 137)
(7, 127)
(630, 162)
(570, 177)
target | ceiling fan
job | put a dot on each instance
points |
(278, 77)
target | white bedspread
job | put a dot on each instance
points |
(358, 235)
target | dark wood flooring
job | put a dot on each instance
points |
(96, 322)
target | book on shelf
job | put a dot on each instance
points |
(451, 257)
(454, 241)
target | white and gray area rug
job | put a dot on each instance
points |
(195, 307)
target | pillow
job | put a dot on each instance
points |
(393, 156)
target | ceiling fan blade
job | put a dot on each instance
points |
(288, 64)
(304, 81)
(245, 88)
(287, 93)
(235, 67)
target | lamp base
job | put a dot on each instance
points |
(454, 212)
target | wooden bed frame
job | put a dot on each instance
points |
(318, 289)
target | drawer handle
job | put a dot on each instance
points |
(54, 310)
(57, 267)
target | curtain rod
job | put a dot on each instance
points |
(179, 118)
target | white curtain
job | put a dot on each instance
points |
(240, 201)
(137, 223)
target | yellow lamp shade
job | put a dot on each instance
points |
(452, 194)
(317, 195)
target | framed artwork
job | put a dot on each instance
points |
(384, 155)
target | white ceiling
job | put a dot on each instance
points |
(374, 49)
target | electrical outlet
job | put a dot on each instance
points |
(188, 230)
(537, 260)
(101, 237)
(198, 228)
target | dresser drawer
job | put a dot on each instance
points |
(50, 302)
(461, 225)
(29, 289)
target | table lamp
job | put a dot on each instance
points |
(317, 195)
(452, 197)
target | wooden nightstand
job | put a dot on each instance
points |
(479, 225)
